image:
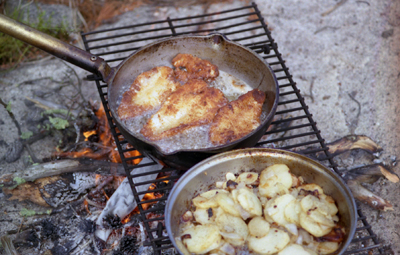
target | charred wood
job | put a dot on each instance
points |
(352, 142)
(348, 143)
(367, 197)
(371, 173)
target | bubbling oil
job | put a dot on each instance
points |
(196, 137)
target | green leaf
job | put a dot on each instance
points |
(56, 111)
(59, 123)
(19, 180)
(26, 135)
(26, 212)
(8, 108)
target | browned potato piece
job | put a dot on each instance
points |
(258, 227)
(232, 228)
(273, 242)
(201, 239)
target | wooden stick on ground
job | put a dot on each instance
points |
(63, 166)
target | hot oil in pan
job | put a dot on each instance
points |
(196, 137)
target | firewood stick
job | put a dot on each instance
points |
(367, 197)
(351, 142)
(58, 167)
(371, 173)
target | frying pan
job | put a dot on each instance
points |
(229, 56)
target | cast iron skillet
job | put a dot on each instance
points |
(229, 56)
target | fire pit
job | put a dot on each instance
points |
(293, 128)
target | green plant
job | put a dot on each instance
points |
(12, 50)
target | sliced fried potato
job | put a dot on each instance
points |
(249, 201)
(225, 201)
(205, 216)
(312, 187)
(320, 204)
(204, 203)
(258, 227)
(201, 238)
(273, 242)
(207, 199)
(330, 203)
(321, 219)
(275, 208)
(211, 193)
(275, 180)
(247, 178)
(232, 228)
(292, 211)
(294, 249)
(312, 226)
(327, 247)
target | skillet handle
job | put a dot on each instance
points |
(55, 47)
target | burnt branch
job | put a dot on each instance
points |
(352, 142)
(371, 173)
(367, 197)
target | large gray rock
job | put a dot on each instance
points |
(53, 15)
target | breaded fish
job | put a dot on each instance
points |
(237, 118)
(190, 67)
(192, 104)
(147, 92)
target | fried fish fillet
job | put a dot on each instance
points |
(147, 92)
(190, 105)
(190, 67)
(237, 118)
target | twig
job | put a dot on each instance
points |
(12, 116)
(364, 2)
(26, 145)
(334, 7)
(101, 185)
(324, 28)
(40, 79)
(311, 89)
(355, 122)
(20, 226)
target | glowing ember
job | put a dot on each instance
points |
(88, 134)
(106, 149)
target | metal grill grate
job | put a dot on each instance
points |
(293, 128)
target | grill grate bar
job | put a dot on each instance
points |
(294, 127)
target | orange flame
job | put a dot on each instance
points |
(107, 150)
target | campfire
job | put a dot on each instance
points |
(91, 177)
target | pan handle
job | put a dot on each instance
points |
(56, 47)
